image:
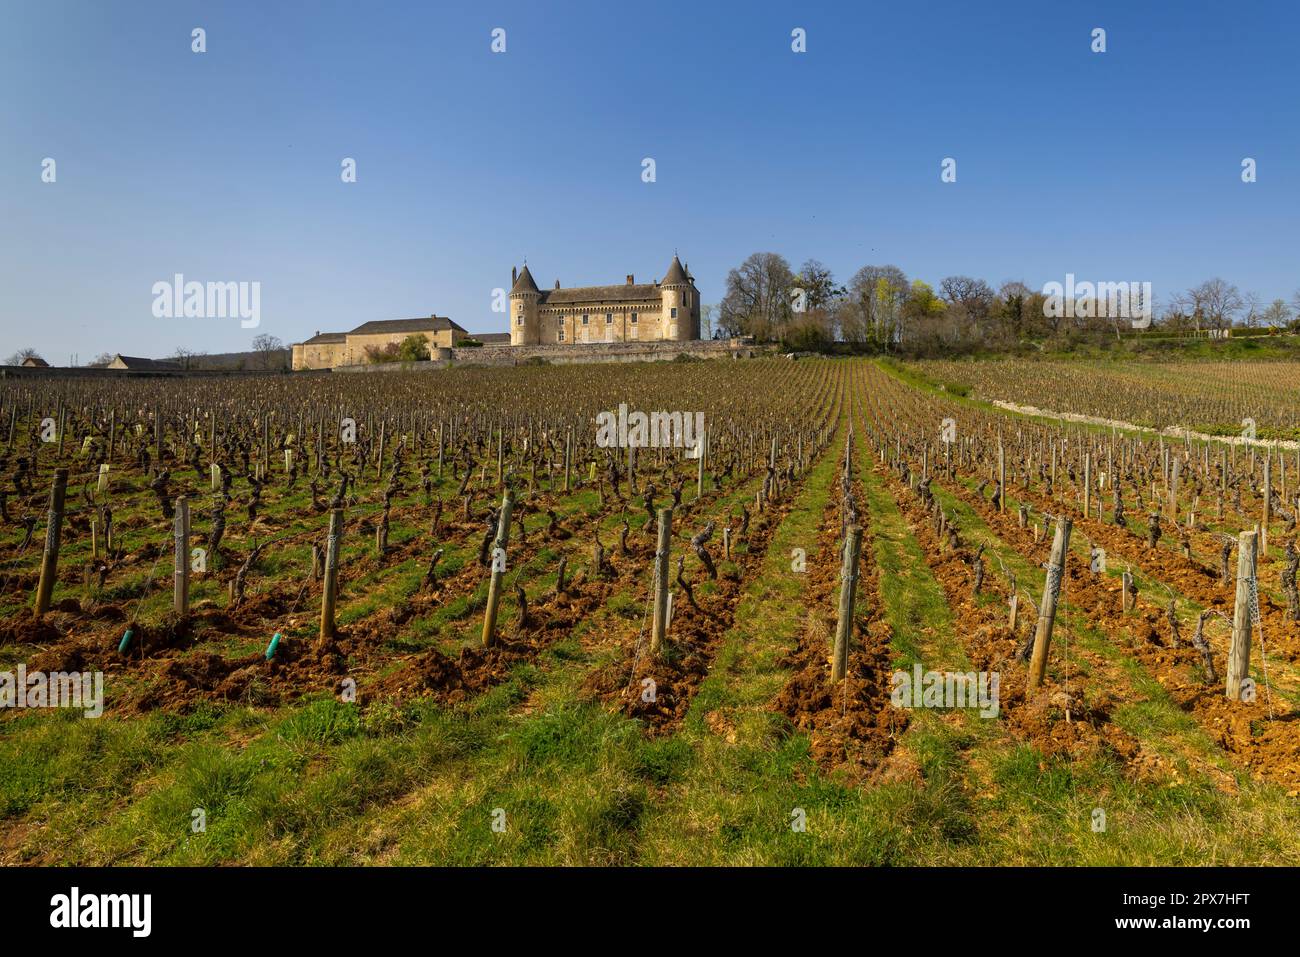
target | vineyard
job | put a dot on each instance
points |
(437, 618)
(1215, 398)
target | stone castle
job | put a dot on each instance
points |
(663, 311)
(631, 312)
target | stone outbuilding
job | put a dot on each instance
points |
(325, 350)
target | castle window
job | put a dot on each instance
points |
(673, 314)
(609, 318)
(519, 320)
(634, 318)
(585, 317)
(561, 338)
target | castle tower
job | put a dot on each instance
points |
(525, 323)
(681, 303)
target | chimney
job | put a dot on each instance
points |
(318, 332)
(630, 279)
(557, 284)
(514, 274)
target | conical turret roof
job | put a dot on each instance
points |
(524, 283)
(675, 274)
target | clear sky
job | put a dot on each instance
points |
(225, 165)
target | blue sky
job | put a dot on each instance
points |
(225, 166)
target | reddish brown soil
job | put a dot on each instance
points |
(694, 637)
(852, 725)
(1187, 577)
(1269, 748)
(454, 679)
(696, 633)
(172, 675)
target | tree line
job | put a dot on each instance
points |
(267, 352)
(881, 309)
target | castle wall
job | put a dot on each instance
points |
(620, 327)
(322, 355)
(523, 320)
(573, 355)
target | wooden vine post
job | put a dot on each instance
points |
(659, 626)
(1268, 496)
(181, 578)
(1174, 475)
(848, 587)
(1087, 484)
(53, 536)
(699, 467)
(1239, 651)
(498, 568)
(568, 456)
(1047, 608)
(1002, 476)
(330, 586)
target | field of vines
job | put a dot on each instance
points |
(428, 618)
(1214, 398)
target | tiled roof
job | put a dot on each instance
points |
(524, 282)
(139, 364)
(384, 326)
(636, 292)
(676, 274)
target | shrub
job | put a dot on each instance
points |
(378, 354)
(414, 348)
(807, 336)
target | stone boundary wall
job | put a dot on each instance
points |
(56, 372)
(572, 354)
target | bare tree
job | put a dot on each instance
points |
(1254, 309)
(869, 303)
(266, 347)
(1215, 303)
(21, 355)
(1277, 314)
(757, 301)
(186, 356)
(974, 296)
(1179, 313)
(707, 313)
(818, 283)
